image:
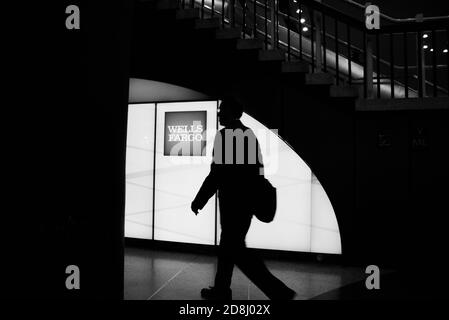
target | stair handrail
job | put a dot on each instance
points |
(415, 27)
(418, 25)
(417, 18)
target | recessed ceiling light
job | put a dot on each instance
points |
(303, 20)
(305, 29)
(425, 35)
(425, 46)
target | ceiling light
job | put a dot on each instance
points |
(305, 29)
(303, 20)
(425, 46)
(425, 35)
(445, 50)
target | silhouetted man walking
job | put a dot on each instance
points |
(234, 170)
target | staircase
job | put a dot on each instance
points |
(377, 64)
(317, 111)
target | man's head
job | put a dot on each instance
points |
(230, 110)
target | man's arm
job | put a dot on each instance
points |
(207, 190)
(210, 184)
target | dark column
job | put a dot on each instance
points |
(70, 120)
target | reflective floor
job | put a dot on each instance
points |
(161, 275)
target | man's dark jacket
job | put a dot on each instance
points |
(234, 181)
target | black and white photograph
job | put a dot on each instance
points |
(228, 159)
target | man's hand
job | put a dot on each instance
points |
(194, 208)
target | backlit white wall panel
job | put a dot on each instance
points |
(305, 220)
(325, 237)
(139, 171)
(291, 176)
(178, 179)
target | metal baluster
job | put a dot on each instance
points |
(378, 63)
(266, 24)
(222, 13)
(277, 22)
(434, 63)
(369, 66)
(273, 19)
(324, 43)
(405, 65)
(244, 19)
(300, 29)
(255, 19)
(288, 30)
(365, 71)
(348, 44)
(419, 61)
(447, 59)
(318, 52)
(232, 13)
(312, 27)
(202, 9)
(337, 67)
(392, 65)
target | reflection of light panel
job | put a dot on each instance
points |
(305, 220)
(139, 171)
(179, 178)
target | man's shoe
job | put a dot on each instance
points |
(213, 293)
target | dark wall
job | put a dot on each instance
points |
(70, 125)
(386, 174)
(402, 183)
(321, 130)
